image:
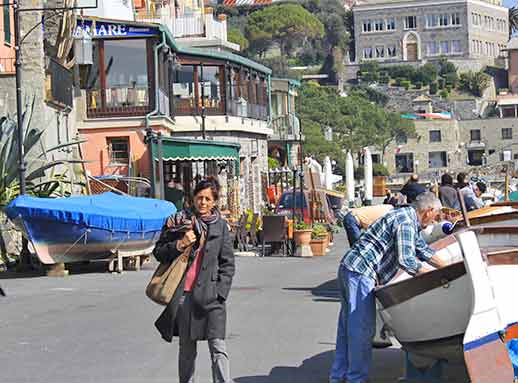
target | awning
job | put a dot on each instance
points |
(178, 149)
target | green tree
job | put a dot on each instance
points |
(513, 20)
(234, 35)
(284, 25)
(474, 82)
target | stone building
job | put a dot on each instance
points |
(471, 33)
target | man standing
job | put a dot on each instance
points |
(391, 242)
(361, 218)
(412, 188)
(447, 193)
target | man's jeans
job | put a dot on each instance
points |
(356, 328)
(352, 228)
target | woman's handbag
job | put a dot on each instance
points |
(166, 279)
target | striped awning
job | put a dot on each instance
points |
(177, 149)
(239, 3)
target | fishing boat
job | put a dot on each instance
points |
(85, 228)
(430, 314)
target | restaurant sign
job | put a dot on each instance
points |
(101, 29)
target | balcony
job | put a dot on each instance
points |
(241, 108)
(7, 65)
(117, 101)
(286, 128)
(194, 25)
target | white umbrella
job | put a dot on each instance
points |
(368, 175)
(349, 177)
(328, 173)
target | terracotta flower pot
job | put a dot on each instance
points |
(318, 246)
(302, 237)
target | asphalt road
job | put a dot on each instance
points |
(97, 327)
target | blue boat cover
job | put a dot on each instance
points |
(107, 211)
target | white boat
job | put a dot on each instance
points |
(429, 314)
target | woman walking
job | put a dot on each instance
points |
(197, 310)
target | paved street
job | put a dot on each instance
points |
(98, 327)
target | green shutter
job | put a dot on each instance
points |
(7, 22)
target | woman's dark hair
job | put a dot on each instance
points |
(461, 178)
(208, 183)
(446, 179)
(482, 187)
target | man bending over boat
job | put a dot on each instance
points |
(390, 243)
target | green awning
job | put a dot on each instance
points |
(176, 149)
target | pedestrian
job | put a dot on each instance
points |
(361, 218)
(447, 193)
(412, 188)
(174, 193)
(392, 242)
(469, 193)
(197, 310)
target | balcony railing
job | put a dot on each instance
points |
(195, 25)
(60, 86)
(117, 102)
(241, 108)
(7, 65)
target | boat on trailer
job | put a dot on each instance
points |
(438, 314)
(85, 228)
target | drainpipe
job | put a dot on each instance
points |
(154, 112)
(269, 90)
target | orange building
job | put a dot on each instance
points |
(7, 40)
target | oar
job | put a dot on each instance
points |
(485, 353)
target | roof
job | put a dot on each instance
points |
(421, 98)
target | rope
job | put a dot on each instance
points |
(75, 243)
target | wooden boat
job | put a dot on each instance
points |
(84, 228)
(429, 314)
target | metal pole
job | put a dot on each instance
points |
(302, 197)
(19, 119)
(160, 166)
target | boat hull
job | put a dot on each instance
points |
(58, 242)
(429, 314)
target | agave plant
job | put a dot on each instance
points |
(42, 177)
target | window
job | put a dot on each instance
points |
(124, 89)
(7, 22)
(435, 135)
(444, 20)
(432, 48)
(437, 160)
(401, 139)
(410, 22)
(367, 53)
(475, 135)
(474, 18)
(183, 89)
(506, 155)
(456, 47)
(367, 25)
(445, 47)
(405, 163)
(491, 151)
(455, 19)
(380, 51)
(379, 25)
(475, 157)
(210, 87)
(118, 150)
(507, 133)
(391, 24)
(432, 21)
(391, 51)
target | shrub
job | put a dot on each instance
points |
(418, 85)
(370, 66)
(399, 80)
(475, 83)
(449, 88)
(384, 79)
(406, 84)
(401, 71)
(426, 74)
(441, 83)
(370, 76)
(379, 170)
(446, 66)
(302, 226)
(319, 231)
(273, 163)
(433, 88)
(444, 93)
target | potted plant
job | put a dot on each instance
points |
(319, 240)
(302, 233)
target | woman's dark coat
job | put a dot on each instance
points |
(208, 315)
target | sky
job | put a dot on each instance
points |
(511, 3)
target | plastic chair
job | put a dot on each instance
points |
(274, 231)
